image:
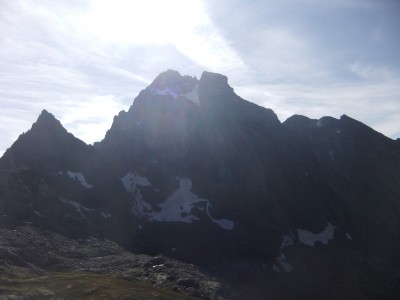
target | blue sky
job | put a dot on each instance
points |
(85, 61)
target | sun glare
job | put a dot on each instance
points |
(144, 22)
(183, 24)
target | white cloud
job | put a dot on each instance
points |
(86, 60)
(331, 4)
(372, 72)
(89, 118)
(45, 65)
(280, 54)
(389, 125)
(142, 22)
(180, 23)
(375, 104)
(207, 48)
(11, 127)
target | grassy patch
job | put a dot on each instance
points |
(78, 285)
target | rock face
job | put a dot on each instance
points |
(193, 171)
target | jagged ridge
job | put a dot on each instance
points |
(190, 157)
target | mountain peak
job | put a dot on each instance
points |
(46, 113)
(216, 78)
(47, 122)
(46, 142)
(172, 82)
(46, 117)
(167, 78)
(214, 88)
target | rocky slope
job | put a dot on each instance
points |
(29, 255)
(305, 208)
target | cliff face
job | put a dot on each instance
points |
(194, 172)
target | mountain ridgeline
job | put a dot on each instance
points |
(311, 208)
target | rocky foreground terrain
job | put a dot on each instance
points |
(41, 265)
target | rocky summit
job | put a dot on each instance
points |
(192, 173)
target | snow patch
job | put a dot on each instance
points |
(287, 241)
(131, 180)
(80, 177)
(223, 223)
(105, 216)
(39, 214)
(309, 238)
(193, 95)
(140, 207)
(178, 206)
(165, 91)
(285, 266)
(79, 208)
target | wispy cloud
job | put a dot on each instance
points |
(362, 101)
(87, 60)
(183, 24)
(278, 54)
(373, 72)
(207, 48)
(46, 65)
(317, 58)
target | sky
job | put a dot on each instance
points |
(86, 60)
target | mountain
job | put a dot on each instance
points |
(300, 209)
